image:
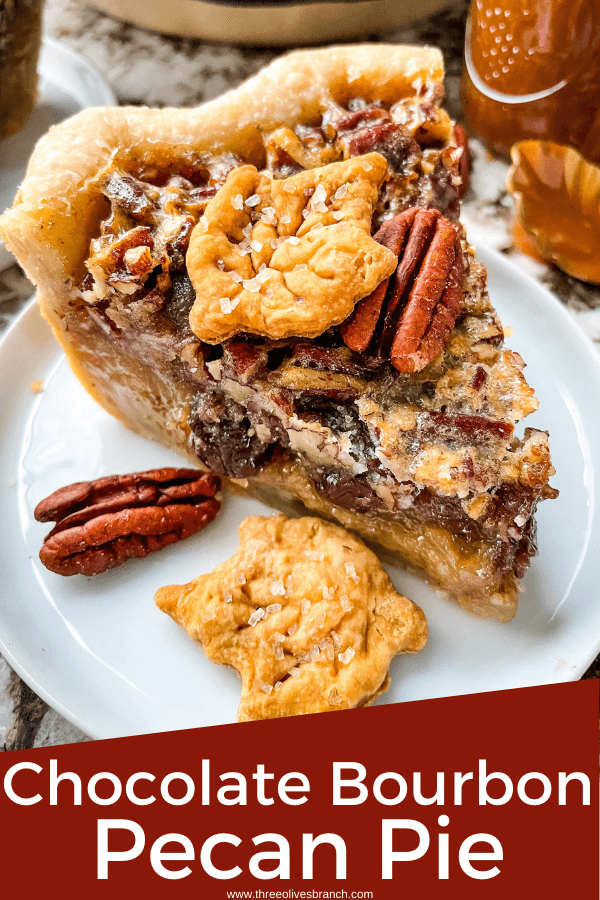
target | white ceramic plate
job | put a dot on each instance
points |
(104, 656)
(267, 22)
(67, 84)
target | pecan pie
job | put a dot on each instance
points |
(278, 286)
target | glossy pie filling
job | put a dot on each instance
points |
(431, 449)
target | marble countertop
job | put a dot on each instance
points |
(145, 67)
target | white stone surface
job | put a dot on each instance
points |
(56, 730)
(7, 705)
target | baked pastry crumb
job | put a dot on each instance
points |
(304, 612)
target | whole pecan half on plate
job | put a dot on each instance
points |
(409, 316)
(103, 523)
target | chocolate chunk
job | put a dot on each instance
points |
(347, 490)
(224, 438)
(179, 301)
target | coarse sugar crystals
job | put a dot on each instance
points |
(277, 587)
(227, 305)
(316, 555)
(256, 616)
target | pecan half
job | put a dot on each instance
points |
(103, 523)
(361, 118)
(409, 317)
(243, 360)
(394, 142)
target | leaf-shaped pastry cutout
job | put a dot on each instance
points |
(290, 256)
(557, 194)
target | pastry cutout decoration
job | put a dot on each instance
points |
(288, 257)
(304, 612)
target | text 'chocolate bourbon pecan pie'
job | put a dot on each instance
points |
(277, 285)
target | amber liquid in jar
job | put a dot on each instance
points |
(20, 36)
(532, 71)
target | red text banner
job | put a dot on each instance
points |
(482, 796)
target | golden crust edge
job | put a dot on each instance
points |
(57, 204)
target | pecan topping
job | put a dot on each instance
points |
(103, 523)
(309, 382)
(393, 142)
(435, 426)
(409, 317)
(464, 163)
(243, 360)
(479, 378)
(137, 199)
(326, 359)
(361, 118)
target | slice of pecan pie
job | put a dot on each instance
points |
(277, 285)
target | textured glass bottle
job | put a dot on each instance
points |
(20, 35)
(532, 70)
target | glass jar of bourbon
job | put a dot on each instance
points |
(20, 36)
(532, 71)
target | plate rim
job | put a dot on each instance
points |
(485, 255)
(61, 48)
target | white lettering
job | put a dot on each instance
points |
(339, 783)
(157, 856)
(130, 792)
(308, 846)
(465, 856)
(283, 855)
(388, 855)
(177, 776)
(105, 856)
(205, 855)
(9, 790)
